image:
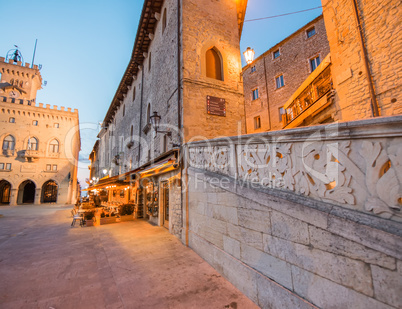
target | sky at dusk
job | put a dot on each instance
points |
(84, 48)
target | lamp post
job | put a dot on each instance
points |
(249, 55)
(155, 121)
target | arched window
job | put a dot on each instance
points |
(124, 110)
(9, 142)
(32, 144)
(214, 64)
(149, 113)
(164, 20)
(54, 146)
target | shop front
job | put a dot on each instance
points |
(154, 190)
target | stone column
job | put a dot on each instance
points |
(13, 197)
(38, 192)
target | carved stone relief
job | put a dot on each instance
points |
(359, 174)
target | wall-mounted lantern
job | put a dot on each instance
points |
(249, 55)
(155, 121)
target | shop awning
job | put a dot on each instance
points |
(162, 164)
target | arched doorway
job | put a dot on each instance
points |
(49, 192)
(26, 192)
(5, 190)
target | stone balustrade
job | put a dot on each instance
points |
(357, 165)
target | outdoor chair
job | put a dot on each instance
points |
(78, 217)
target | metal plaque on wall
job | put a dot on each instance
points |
(216, 106)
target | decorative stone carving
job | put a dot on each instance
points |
(361, 174)
(383, 177)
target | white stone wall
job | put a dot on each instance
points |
(285, 248)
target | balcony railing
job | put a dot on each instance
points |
(8, 152)
(310, 96)
(30, 155)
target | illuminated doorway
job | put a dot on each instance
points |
(5, 190)
(49, 192)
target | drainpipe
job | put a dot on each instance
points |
(141, 103)
(266, 87)
(374, 104)
(179, 127)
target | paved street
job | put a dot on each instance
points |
(46, 264)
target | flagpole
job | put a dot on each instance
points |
(33, 58)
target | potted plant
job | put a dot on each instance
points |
(89, 218)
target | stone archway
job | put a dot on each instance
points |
(26, 192)
(49, 192)
(5, 190)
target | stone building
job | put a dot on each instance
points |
(358, 79)
(365, 41)
(40, 144)
(275, 75)
(190, 77)
(302, 218)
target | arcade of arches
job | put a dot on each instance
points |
(27, 191)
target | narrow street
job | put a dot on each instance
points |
(44, 263)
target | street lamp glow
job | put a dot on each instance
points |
(104, 171)
(249, 55)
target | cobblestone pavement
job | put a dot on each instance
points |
(46, 264)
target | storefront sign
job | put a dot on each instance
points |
(216, 106)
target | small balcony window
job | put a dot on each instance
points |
(279, 82)
(257, 122)
(255, 94)
(310, 32)
(314, 63)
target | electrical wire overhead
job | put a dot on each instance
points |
(274, 16)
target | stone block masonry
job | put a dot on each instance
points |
(293, 62)
(282, 247)
(380, 22)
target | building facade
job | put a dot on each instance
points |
(40, 144)
(274, 76)
(346, 73)
(190, 77)
(365, 42)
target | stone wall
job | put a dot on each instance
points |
(281, 245)
(380, 24)
(208, 24)
(293, 62)
(52, 124)
(155, 85)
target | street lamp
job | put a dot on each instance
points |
(104, 171)
(249, 55)
(155, 121)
